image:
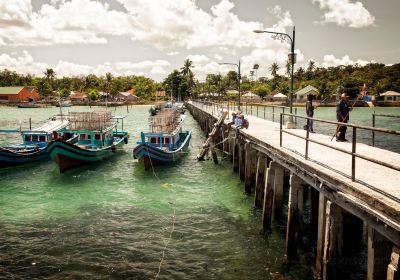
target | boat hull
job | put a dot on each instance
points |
(151, 156)
(68, 156)
(12, 157)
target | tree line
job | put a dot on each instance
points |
(182, 83)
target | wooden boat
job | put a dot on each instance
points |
(33, 146)
(166, 143)
(98, 139)
(28, 105)
(64, 104)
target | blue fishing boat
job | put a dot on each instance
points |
(33, 146)
(166, 142)
(98, 139)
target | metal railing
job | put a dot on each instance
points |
(353, 152)
(253, 109)
(374, 115)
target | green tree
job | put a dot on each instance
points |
(274, 68)
(93, 94)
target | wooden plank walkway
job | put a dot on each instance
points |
(383, 179)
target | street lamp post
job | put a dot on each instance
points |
(290, 124)
(238, 78)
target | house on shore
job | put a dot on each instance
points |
(251, 97)
(301, 95)
(78, 97)
(160, 94)
(18, 94)
(390, 96)
(279, 97)
(126, 96)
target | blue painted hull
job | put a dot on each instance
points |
(152, 156)
(16, 156)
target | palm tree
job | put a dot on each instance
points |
(187, 72)
(274, 69)
(50, 75)
(109, 78)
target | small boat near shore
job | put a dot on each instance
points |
(166, 143)
(64, 104)
(98, 139)
(28, 105)
(33, 146)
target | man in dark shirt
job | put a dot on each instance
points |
(342, 115)
(310, 112)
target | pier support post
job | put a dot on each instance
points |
(393, 271)
(260, 181)
(320, 236)
(250, 168)
(242, 161)
(278, 192)
(379, 252)
(295, 217)
(268, 195)
(235, 157)
(333, 240)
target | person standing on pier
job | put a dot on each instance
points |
(342, 115)
(310, 112)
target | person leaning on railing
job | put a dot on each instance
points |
(310, 112)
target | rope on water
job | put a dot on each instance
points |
(166, 243)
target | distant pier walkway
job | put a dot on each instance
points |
(353, 186)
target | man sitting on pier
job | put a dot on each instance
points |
(342, 115)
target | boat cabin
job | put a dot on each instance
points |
(161, 140)
(33, 138)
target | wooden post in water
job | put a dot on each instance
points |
(379, 252)
(235, 158)
(268, 195)
(333, 241)
(30, 124)
(278, 192)
(211, 136)
(393, 271)
(320, 236)
(250, 168)
(295, 217)
(242, 161)
(260, 181)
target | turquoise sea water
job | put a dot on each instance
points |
(114, 220)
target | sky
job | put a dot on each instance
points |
(154, 37)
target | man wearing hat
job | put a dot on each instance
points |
(342, 115)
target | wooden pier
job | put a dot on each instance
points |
(351, 197)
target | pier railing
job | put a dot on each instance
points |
(374, 115)
(255, 109)
(353, 152)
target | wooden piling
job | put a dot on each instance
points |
(250, 168)
(242, 162)
(320, 235)
(393, 271)
(333, 244)
(379, 253)
(278, 192)
(235, 158)
(294, 217)
(268, 195)
(260, 181)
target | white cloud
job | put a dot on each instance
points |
(330, 60)
(24, 63)
(172, 53)
(164, 24)
(198, 59)
(345, 13)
